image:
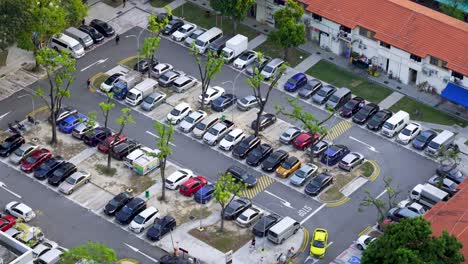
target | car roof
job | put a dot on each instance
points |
(182, 79)
(349, 157)
(236, 132)
(320, 234)
(149, 210)
(181, 106)
(22, 207)
(26, 146)
(250, 97)
(412, 125)
(275, 62)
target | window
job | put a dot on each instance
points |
(415, 58)
(345, 29)
(279, 2)
(384, 44)
(438, 62)
(457, 75)
(316, 17)
(366, 33)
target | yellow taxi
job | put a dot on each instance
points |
(288, 167)
(318, 245)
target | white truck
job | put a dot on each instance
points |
(125, 83)
(234, 47)
(130, 158)
(428, 195)
(146, 163)
(136, 95)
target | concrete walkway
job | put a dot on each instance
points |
(390, 100)
(307, 63)
(257, 41)
(16, 58)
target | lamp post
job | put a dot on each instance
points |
(33, 112)
(201, 228)
(137, 41)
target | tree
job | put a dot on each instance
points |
(236, 9)
(411, 241)
(255, 82)
(76, 10)
(150, 45)
(14, 15)
(380, 205)
(106, 107)
(290, 29)
(89, 253)
(124, 119)
(60, 69)
(454, 8)
(208, 68)
(225, 190)
(163, 141)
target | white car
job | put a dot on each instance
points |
(211, 94)
(411, 131)
(179, 112)
(249, 217)
(183, 83)
(191, 121)
(232, 139)
(176, 179)
(20, 210)
(351, 161)
(144, 219)
(160, 69)
(107, 85)
(363, 241)
(413, 206)
(245, 59)
(43, 247)
(183, 32)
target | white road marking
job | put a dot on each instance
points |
(312, 214)
(382, 193)
(284, 202)
(94, 63)
(139, 251)
(2, 116)
(156, 136)
(371, 148)
(4, 187)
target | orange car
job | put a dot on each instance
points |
(288, 167)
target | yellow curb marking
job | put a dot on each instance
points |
(305, 242)
(338, 203)
(92, 88)
(366, 230)
(376, 172)
(37, 110)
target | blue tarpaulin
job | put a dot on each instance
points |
(456, 94)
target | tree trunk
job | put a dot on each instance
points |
(106, 118)
(53, 140)
(222, 219)
(150, 66)
(234, 25)
(259, 114)
(163, 178)
(286, 54)
(204, 88)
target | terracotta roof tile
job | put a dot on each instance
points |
(403, 24)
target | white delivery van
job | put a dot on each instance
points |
(428, 195)
(234, 47)
(395, 124)
(440, 143)
(64, 42)
(136, 95)
(283, 230)
(207, 38)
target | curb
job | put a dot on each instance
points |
(122, 62)
(376, 172)
(37, 110)
(344, 200)
(365, 231)
(305, 241)
(93, 88)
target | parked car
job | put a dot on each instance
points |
(247, 103)
(203, 126)
(83, 128)
(312, 86)
(413, 206)
(192, 185)
(243, 149)
(10, 144)
(71, 121)
(245, 59)
(205, 194)
(450, 171)
(75, 181)
(274, 160)
(261, 228)
(266, 120)
(183, 82)
(95, 35)
(6, 222)
(396, 214)
(34, 160)
(61, 173)
(377, 120)
(107, 85)
(172, 26)
(289, 135)
(153, 100)
(168, 78)
(161, 227)
(232, 139)
(296, 82)
(364, 241)
(324, 94)
(318, 184)
(288, 166)
(241, 175)
(423, 139)
(116, 203)
(192, 120)
(352, 107)
(250, 70)
(236, 207)
(192, 37)
(177, 178)
(111, 142)
(270, 70)
(351, 161)
(125, 215)
(249, 217)
(122, 150)
(160, 69)
(320, 147)
(103, 28)
(365, 113)
(183, 32)
(319, 243)
(304, 140)
(211, 94)
(334, 154)
(259, 154)
(46, 169)
(179, 112)
(20, 210)
(410, 132)
(96, 136)
(22, 153)
(303, 174)
(144, 219)
(62, 114)
(42, 248)
(223, 102)
(143, 65)
(444, 184)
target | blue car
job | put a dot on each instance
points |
(296, 82)
(223, 102)
(204, 194)
(334, 154)
(71, 121)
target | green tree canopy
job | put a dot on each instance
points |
(236, 9)
(225, 190)
(90, 253)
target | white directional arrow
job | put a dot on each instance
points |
(371, 148)
(4, 187)
(2, 116)
(284, 202)
(138, 251)
(94, 63)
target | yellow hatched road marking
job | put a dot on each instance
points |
(262, 183)
(338, 129)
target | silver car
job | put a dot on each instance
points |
(247, 103)
(191, 121)
(167, 78)
(22, 152)
(289, 135)
(302, 175)
(183, 83)
(351, 161)
(80, 130)
(192, 37)
(74, 181)
(153, 100)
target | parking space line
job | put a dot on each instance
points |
(262, 183)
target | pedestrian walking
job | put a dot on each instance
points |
(117, 39)
(252, 244)
(83, 21)
(88, 83)
(124, 2)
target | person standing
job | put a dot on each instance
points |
(252, 244)
(117, 39)
(124, 2)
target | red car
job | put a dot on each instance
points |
(6, 222)
(304, 140)
(192, 185)
(35, 159)
(104, 146)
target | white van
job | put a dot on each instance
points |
(428, 195)
(283, 230)
(440, 143)
(51, 257)
(79, 35)
(64, 42)
(395, 124)
(207, 38)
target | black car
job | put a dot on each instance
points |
(223, 102)
(169, 259)
(172, 26)
(317, 184)
(377, 121)
(257, 65)
(266, 120)
(61, 173)
(259, 154)
(423, 139)
(365, 113)
(351, 107)
(103, 28)
(243, 149)
(95, 35)
(264, 224)
(126, 214)
(117, 203)
(10, 144)
(161, 227)
(236, 207)
(144, 65)
(95, 137)
(274, 160)
(123, 149)
(46, 169)
(450, 171)
(241, 175)
(310, 89)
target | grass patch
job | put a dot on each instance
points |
(104, 170)
(195, 213)
(422, 112)
(129, 62)
(96, 83)
(359, 86)
(366, 169)
(341, 179)
(223, 241)
(3, 57)
(271, 49)
(200, 17)
(127, 261)
(160, 3)
(113, 3)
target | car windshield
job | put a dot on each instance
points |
(116, 89)
(213, 131)
(288, 165)
(229, 138)
(334, 99)
(71, 180)
(199, 43)
(19, 152)
(434, 145)
(244, 101)
(230, 209)
(201, 126)
(164, 77)
(300, 173)
(6, 144)
(139, 219)
(244, 56)
(388, 125)
(322, 92)
(406, 132)
(182, 30)
(292, 81)
(365, 111)
(422, 137)
(189, 119)
(131, 96)
(243, 217)
(350, 105)
(126, 210)
(268, 69)
(111, 80)
(175, 112)
(318, 146)
(77, 47)
(31, 159)
(115, 202)
(286, 135)
(149, 100)
(315, 184)
(194, 35)
(319, 244)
